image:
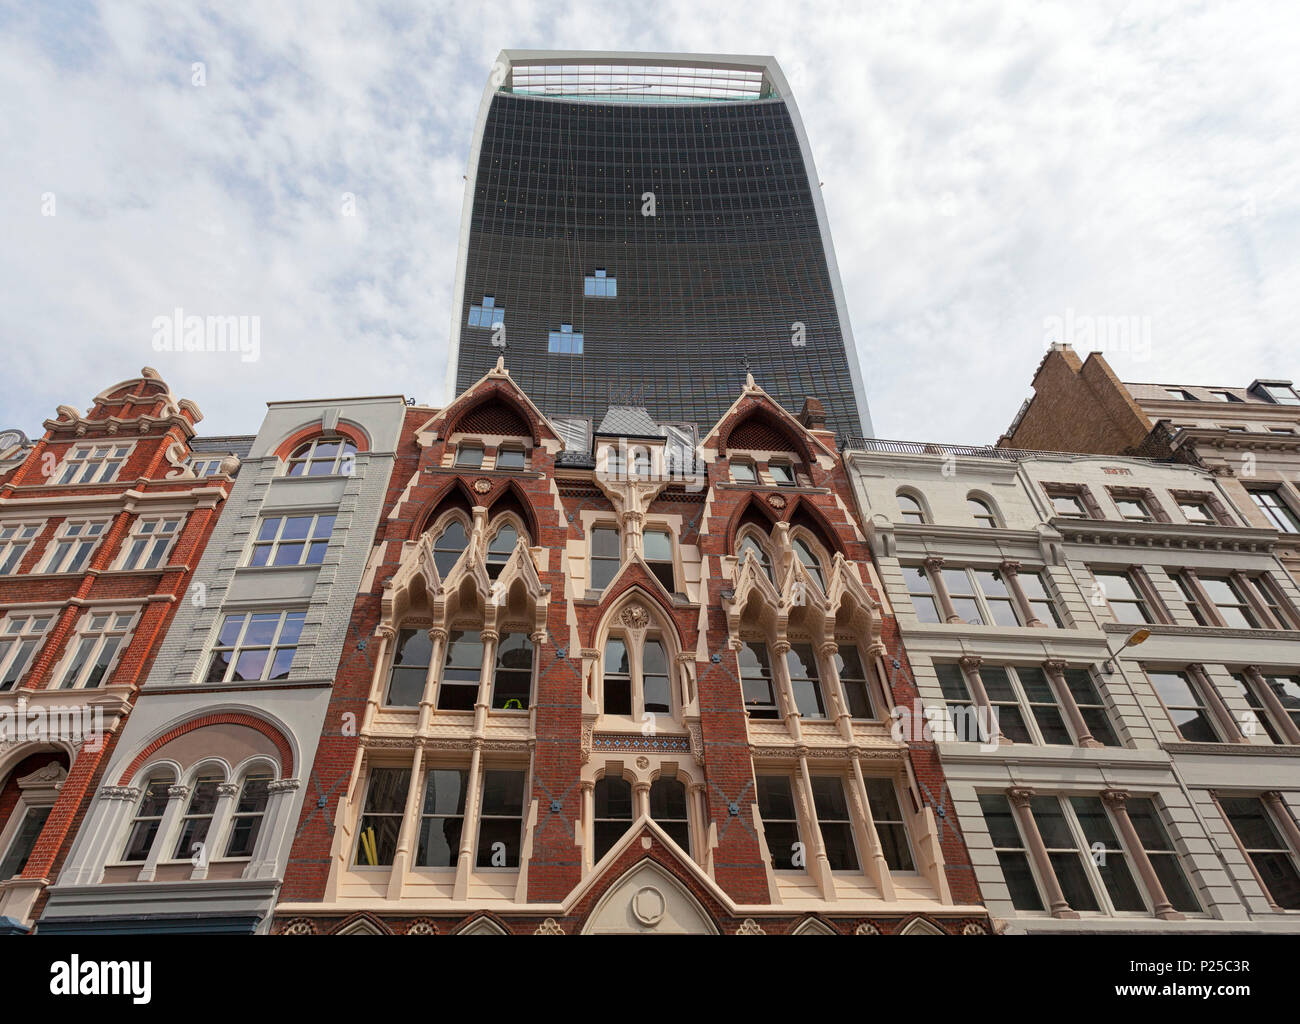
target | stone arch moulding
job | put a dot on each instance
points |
(759, 417)
(483, 924)
(440, 503)
(346, 429)
(497, 391)
(921, 926)
(647, 899)
(275, 732)
(615, 604)
(362, 924)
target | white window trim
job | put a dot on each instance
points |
(6, 547)
(636, 671)
(275, 543)
(119, 563)
(275, 646)
(6, 662)
(79, 634)
(71, 457)
(46, 564)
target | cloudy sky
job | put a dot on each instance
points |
(992, 172)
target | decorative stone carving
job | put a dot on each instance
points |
(777, 501)
(482, 485)
(649, 905)
(750, 927)
(549, 927)
(974, 928)
(228, 789)
(299, 926)
(643, 762)
(422, 927)
(866, 928)
(634, 617)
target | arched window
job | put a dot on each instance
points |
(637, 681)
(749, 542)
(612, 799)
(911, 508)
(249, 813)
(668, 808)
(449, 546)
(322, 457)
(981, 511)
(198, 815)
(804, 552)
(500, 548)
(148, 817)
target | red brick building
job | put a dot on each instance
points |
(611, 681)
(101, 523)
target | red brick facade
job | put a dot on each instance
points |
(151, 429)
(557, 504)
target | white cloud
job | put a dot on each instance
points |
(986, 166)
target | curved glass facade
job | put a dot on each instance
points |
(678, 242)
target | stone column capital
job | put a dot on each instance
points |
(1116, 798)
(1020, 795)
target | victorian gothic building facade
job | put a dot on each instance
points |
(621, 685)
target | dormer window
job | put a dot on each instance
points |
(510, 457)
(1225, 396)
(469, 455)
(1281, 394)
(1179, 395)
(782, 474)
(743, 472)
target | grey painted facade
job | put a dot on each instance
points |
(193, 734)
(1144, 763)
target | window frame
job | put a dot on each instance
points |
(19, 647)
(670, 562)
(278, 541)
(305, 455)
(15, 549)
(112, 630)
(80, 548)
(593, 558)
(1201, 707)
(141, 547)
(71, 470)
(273, 648)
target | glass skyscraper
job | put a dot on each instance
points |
(644, 229)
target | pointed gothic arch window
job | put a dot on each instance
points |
(637, 676)
(500, 548)
(749, 541)
(809, 556)
(449, 544)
